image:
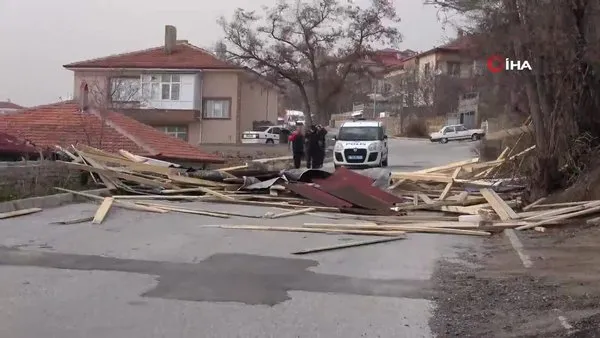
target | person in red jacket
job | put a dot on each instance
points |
(297, 140)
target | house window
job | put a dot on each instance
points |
(427, 68)
(125, 89)
(165, 87)
(216, 109)
(453, 68)
(179, 132)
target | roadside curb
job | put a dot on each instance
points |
(48, 201)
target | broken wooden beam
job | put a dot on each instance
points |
(348, 245)
(103, 210)
(21, 212)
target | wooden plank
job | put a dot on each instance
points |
(559, 205)
(239, 167)
(75, 221)
(196, 181)
(422, 177)
(426, 199)
(103, 210)
(294, 213)
(106, 179)
(503, 210)
(410, 228)
(463, 197)
(139, 167)
(347, 245)
(589, 210)
(448, 166)
(121, 204)
(314, 230)
(184, 210)
(21, 212)
(556, 212)
(198, 211)
(271, 204)
(127, 177)
(541, 200)
(446, 190)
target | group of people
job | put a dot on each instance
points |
(310, 144)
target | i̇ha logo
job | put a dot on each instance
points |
(496, 64)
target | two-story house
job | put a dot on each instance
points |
(181, 89)
(437, 78)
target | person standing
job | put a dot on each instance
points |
(297, 139)
(311, 147)
(320, 145)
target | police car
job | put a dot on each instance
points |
(266, 134)
(361, 144)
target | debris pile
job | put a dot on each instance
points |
(462, 198)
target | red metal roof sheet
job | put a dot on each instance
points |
(362, 184)
(317, 195)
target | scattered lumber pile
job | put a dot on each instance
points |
(468, 197)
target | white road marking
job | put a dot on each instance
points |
(518, 246)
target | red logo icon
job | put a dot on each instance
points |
(494, 63)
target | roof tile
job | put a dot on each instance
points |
(183, 56)
(65, 124)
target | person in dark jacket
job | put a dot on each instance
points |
(297, 140)
(311, 146)
(320, 145)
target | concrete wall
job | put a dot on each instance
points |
(258, 103)
(29, 179)
(220, 85)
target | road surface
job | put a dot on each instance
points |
(141, 275)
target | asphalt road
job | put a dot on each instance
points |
(141, 275)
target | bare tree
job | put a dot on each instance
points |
(313, 45)
(561, 41)
(110, 91)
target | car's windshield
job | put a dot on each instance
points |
(262, 128)
(359, 133)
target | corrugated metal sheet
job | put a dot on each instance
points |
(317, 195)
(357, 197)
(360, 185)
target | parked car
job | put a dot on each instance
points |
(455, 133)
(266, 134)
(361, 144)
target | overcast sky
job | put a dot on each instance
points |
(38, 36)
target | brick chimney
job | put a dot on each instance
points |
(170, 38)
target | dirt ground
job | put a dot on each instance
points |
(489, 293)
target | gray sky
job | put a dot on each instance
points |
(39, 36)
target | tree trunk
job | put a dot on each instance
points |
(307, 111)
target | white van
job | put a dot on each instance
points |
(361, 144)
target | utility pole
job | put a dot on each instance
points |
(375, 98)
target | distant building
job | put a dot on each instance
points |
(7, 107)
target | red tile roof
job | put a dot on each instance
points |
(9, 105)
(183, 56)
(65, 124)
